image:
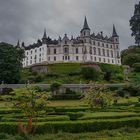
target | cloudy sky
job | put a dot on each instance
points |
(26, 19)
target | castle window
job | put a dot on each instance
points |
(39, 59)
(103, 44)
(31, 57)
(112, 55)
(77, 58)
(90, 50)
(55, 58)
(40, 49)
(99, 51)
(63, 57)
(54, 51)
(111, 46)
(31, 52)
(27, 53)
(94, 49)
(99, 59)
(49, 58)
(68, 57)
(117, 47)
(77, 51)
(49, 51)
(66, 50)
(30, 61)
(103, 52)
(104, 60)
(95, 59)
(94, 43)
(108, 60)
(107, 45)
(35, 50)
(112, 61)
(108, 53)
(40, 55)
(98, 43)
(116, 39)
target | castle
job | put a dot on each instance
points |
(85, 48)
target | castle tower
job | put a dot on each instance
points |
(44, 39)
(85, 32)
(115, 36)
(18, 44)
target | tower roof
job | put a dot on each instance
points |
(114, 34)
(86, 24)
(18, 44)
(45, 35)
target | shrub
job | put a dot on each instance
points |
(90, 73)
(3, 136)
(136, 67)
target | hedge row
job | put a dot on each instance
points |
(76, 126)
(49, 118)
(108, 117)
(8, 111)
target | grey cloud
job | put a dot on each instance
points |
(26, 19)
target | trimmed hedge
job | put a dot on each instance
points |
(49, 118)
(70, 109)
(87, 126)
(76, 126)
(8, 111)
(109, 116)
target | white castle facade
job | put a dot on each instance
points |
(85, 48)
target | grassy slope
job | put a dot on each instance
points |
(70, 73)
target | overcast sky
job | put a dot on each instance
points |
(26, 19)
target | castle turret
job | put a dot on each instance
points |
(44, 39)
(18, 44)
(115, 36)
(85, 32)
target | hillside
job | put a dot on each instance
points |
(75, 73)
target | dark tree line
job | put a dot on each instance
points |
(10, 63)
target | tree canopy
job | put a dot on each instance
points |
(131, 56)
(135, 24)
(10, 63)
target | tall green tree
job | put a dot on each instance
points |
(135, 24)
(10, 63)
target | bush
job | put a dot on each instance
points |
(90, 73)
(75, 116)
(3, 136)
(136, 67)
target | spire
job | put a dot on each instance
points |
(45, 35)
(18, 44)
(86, 24)
(114, 34)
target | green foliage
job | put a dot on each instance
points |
(90, 73)
(98, 96)
(136, 67)
(10, 63)
(29, 100)
(131, 55)
(135, 24)
(75, 126)
(54, 87)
